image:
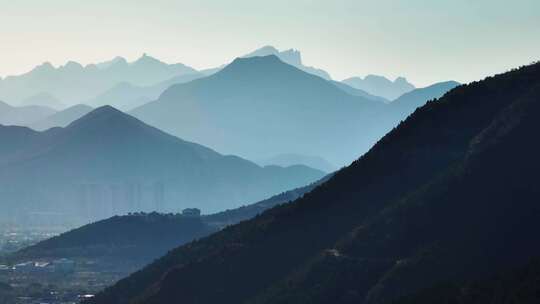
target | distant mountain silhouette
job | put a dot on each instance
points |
(381, 86)
(45, 100)
(72, 83)
(24, 115)
(126, 96)
(433, 91)
(357, 92)
(107, 64)
(61, 118)
(286, 160)
(108, 162)
(240, 108)
(408, 102)
(292, 57)
(450, 194)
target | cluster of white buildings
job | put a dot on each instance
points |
(56, 266)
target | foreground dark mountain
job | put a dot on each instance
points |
(516, 286)
(238, 110)
(449, 194)
(24, 115)
(109, 163)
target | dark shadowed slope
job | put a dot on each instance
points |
(62, 118)
(108, 163)
(516, 286)
(431, 201)
(252, 100)
(478, 216)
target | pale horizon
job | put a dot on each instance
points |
(422, 41)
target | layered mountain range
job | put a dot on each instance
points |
(126, 85)
(448, 195)
(73, 83)
(260, 107)
(108, 162)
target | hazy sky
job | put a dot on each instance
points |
(424, 40)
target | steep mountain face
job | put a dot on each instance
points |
(72, 83)
(449, 194)
(22, 116)
(381, 86)
(291, 56)
(108, 163)
(466, 223)
(516, 286)
(238, 110)
(61, 118)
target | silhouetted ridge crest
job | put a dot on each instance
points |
(258, 63)
(102, 115)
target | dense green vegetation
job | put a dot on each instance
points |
(450, 193)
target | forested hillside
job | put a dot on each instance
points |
(450, 193)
